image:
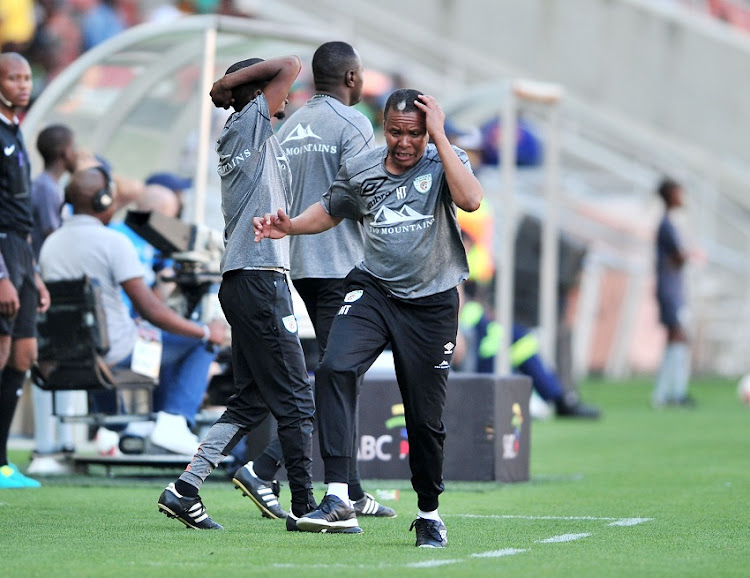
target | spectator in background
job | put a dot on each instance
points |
(177, 184)
(56, 145)
(57, 41)
(17, 24)
(99, 20)
(53, 440)
(529, 150)
(85, 246)
(674, 374)
(482, 335)
(183, 375)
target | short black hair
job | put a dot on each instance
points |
(330, 63)
(665, 188)
(52, 142)
(402, 100)
(245, 92)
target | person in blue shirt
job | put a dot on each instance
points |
(674, 374)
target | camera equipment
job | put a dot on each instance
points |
(196, 251)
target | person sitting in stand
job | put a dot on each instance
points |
(84, 245)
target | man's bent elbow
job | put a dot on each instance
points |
(472, 204)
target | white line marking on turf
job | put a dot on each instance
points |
(563, 538)
(432, 563)
(512, 517)
(630, 521)
(499, 553)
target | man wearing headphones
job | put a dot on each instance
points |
(22, 291)
(84, 245)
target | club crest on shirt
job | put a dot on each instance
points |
(423, 183)
(290, 322)
(352, 296)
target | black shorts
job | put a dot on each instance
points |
(19, 260)
(669, 312)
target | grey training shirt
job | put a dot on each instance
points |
(412, 238)
(255, 180)
(317, 139)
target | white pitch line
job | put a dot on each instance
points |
(614, 521)
(630, 521)
(432, 563)
(513, 517)
(499, 553)
(563, 538)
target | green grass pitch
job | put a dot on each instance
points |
(638, 493)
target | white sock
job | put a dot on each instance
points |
(340, 490)
(430, 515)
(681, 371)
(665, 379)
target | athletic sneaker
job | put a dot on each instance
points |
(369, 506)
(332, 515)
(430, 533)
(189, 511)
(12, 478)
(260, 492)
(291, 526)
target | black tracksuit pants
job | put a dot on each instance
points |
(269, 370)
(422, 334)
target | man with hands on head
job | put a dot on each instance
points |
(403, 292)
(267, 359)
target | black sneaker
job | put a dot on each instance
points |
(291, 523)
(686, 401)
(260, 492)
(291, 526)
(572, 407)
(189, 511)
(332, 515)
(430, 533)
(369, 506)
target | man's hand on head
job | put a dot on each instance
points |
(220, 95)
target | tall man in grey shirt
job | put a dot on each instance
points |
(403, 292)
(317, 139)
(267, 358)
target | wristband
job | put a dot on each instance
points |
(206, 334)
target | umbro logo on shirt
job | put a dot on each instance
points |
(300, 133)
(9, 150)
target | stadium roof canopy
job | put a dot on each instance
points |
(141, 101)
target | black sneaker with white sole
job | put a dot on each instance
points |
(189, 511)
(262, 493)
(430, 533)
(369, 506)
(332, 516)
(291, 523)
(291, 526)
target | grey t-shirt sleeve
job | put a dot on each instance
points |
(247, 120)
(46, 208)
(340, 200)
(125, 265)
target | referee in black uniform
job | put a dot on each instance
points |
(21, 288)
(403, 292)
